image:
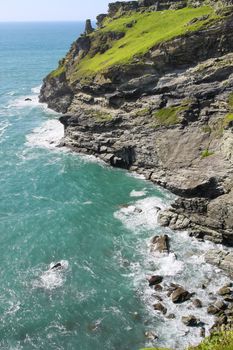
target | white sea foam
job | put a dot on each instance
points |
(29, 101)
(52, 278)
(185, 265)
(14, 307)
(11, 93)
(48, 135)
(22, 102)
(168, 265)
(136, 175)
(143, 213)
(3, 127)
(36, 89)
(138, 193)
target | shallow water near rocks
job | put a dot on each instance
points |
(59, 206)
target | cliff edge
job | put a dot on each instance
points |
(151, 90)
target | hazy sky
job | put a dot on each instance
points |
(51, 10)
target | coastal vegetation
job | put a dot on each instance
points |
(217, 341)
(206, 153)
(170, 115)
(142, 31)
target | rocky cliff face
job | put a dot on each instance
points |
(166, 112)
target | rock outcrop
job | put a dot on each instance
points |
(167, 112)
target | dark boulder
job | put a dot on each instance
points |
(153, 280)
(180, 295)
(191, 321)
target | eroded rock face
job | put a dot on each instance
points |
(120, 116)
(222, 259)
(57, 93)
(204, 219)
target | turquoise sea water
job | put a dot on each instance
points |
(56, 206)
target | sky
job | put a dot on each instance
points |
(51, 10)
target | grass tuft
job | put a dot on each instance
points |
(206, 153)
(227, 121)
(217, 341)
(99, 116)
(169, 115)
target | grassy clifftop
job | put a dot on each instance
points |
(148, 29)
(128, 37)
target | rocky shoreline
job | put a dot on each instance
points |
(167, 115)
(220, 304)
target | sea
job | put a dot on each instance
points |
(57, 206)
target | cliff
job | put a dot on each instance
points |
(150, 90)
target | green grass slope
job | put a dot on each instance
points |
(148, 30)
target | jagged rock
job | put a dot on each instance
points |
(100, 18)
(190, 321)
(212, 310)
(147, 3)
(160, 307)
(222, 259)
(180, 295)
(160, 244)
(88, 27)
(216, 308)
(225, 291)
(153, 280)
(120, 6)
